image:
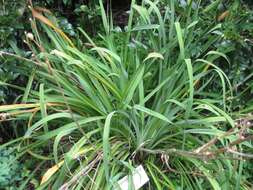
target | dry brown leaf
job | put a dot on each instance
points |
(51, 172)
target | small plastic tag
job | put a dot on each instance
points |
(139, 179)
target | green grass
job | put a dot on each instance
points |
(139, 97)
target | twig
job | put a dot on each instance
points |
(202, 154)
(213, 141)
(176, 152)
(240, 153)
(19, 57)
(234, 143)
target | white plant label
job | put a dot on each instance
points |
(139, 179)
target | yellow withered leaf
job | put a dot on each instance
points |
(17, 106)
(51, 172)
(46, 21)
(56, 167)
(23, 106)
(154, 55)
(223, 16)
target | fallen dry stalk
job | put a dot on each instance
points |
(82, 172)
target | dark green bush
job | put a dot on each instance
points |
(10, 169)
